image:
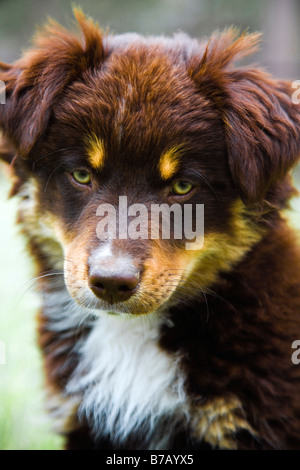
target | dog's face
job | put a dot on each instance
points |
(146, 135)
(131, 122)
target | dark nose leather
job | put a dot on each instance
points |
(115, 287)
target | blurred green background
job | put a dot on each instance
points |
(24, 424)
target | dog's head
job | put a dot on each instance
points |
(103, 130)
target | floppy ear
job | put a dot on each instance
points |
(263, 132)
(261, 122)
(34, 83)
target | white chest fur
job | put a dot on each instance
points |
(128, 384)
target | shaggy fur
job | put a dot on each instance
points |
(197, 352)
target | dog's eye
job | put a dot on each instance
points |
(180, 188)
(82, 177)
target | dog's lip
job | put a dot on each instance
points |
(136, 305)
(102, 306)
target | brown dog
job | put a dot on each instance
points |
(148, 344)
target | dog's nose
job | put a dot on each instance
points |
(115, 287)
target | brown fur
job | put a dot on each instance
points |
(232, 308)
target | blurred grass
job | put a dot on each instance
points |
(24, 423)
(294, 212)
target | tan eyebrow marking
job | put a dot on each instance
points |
(169, 162)
(95, 151)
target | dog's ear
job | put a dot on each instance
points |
(261, 122)
(35, 82)
(263, 132)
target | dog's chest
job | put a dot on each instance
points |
(129, 386)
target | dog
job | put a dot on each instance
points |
(152, 342)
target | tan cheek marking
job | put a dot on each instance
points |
(221, 251)
(217, 421)
(95, 151)
(76, 263)
(39, 227)
(199, 267)
(169, 163)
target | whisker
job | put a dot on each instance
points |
(55, 169)
(52, 153)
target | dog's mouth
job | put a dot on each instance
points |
(114, 281)
(129, 294)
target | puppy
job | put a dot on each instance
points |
(151, 341)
